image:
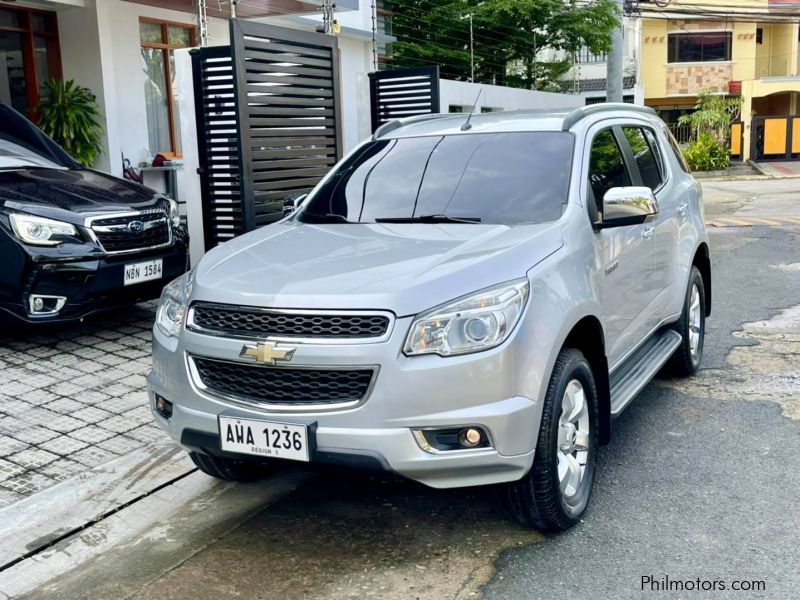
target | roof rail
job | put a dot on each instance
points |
(397, 123)
(584, 111)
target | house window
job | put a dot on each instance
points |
(29, 57)
(159, 39)
(699, 47)
(759, 35)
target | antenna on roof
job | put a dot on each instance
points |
(467, 126)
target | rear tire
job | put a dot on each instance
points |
(555, 492)
(228, 469)
(692, 328)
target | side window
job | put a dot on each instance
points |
(645, 159)
(653, 142)
(676, 150)
(606, 166)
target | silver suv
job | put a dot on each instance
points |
(460, 301)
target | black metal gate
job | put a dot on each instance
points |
(269, 106)
(775, 138)
(217, 144)
(403, 93)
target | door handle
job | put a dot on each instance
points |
(647, 233)
(682, 209)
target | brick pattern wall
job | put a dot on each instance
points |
(691, 79)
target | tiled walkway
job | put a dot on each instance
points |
(72, 399)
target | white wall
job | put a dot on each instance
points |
(100, 50)
(355, 63)
(130, 112)
(81, 58)
(463, 93)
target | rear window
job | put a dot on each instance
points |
(500, 178)
(645, 158)
(676, 150)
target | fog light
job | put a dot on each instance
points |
(470, 437)
(163, 406)
(40, 304)
(447, 439)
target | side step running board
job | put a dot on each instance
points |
(637, 371)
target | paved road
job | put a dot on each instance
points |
(700, 481)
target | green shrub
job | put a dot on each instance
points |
(69, 116)
(707, 154)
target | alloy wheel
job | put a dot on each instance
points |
(573, 439)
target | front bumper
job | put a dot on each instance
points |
(409, 393)
(91, 285)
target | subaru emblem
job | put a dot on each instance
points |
(136, 227)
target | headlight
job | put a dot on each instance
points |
(472, 323)
(172, 305)
(174, 212)
(40, 231)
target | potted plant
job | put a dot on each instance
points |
(69, 116)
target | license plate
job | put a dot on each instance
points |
(264, 438)
(143, 271)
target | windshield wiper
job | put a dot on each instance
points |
(436, 218)
(323, 218)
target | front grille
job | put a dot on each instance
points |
(271, 385)
(116, 235)
(256, 322)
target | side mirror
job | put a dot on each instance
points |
(292, 203)
(630, 205)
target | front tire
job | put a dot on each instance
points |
(692, 328)
(228, 469)
(555, 492)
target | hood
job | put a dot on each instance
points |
(405, 268)
(70, 195)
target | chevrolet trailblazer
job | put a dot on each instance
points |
(461, 302)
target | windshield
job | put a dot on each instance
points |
(17, 130)
(499, 178)
(14, 156)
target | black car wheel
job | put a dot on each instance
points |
(692, 328)
(555, 492)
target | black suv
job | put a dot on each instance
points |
(74, 241)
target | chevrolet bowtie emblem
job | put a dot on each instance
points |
(266, 352)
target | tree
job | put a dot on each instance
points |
(711, 129)
(713, 115)
(509, 35)
(69, 116)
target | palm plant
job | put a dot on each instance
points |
(69, 116)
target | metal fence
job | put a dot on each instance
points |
(218, 144)
(287, 84)
(268, 123)
(403, 93)
(682, 133)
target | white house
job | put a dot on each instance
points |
(588, 74)
(123, 51)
